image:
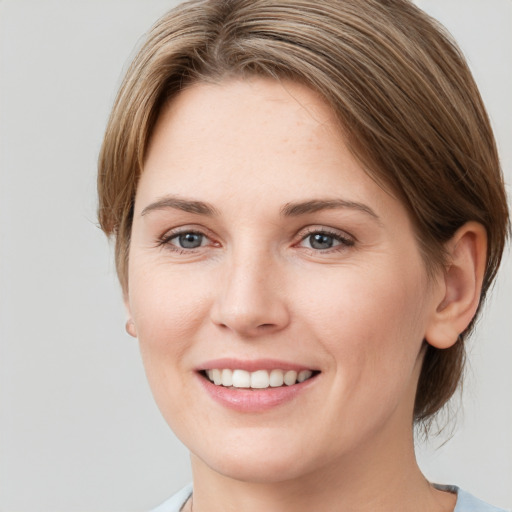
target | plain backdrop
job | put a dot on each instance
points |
(78, 427)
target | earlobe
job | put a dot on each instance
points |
(462, 280)
(130, 324)
(130, 328)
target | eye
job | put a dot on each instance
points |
(189, 240)
(321, 241)
(325, 240)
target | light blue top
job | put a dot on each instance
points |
(174, 503)
(465, 502)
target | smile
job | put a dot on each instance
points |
(259, 379)
(254, 386)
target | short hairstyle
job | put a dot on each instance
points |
(405, 98)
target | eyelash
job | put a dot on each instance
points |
(344, 241)
(165, 240)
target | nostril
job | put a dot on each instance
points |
(248, 317)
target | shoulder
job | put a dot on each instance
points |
(466, 502)
(175, 502)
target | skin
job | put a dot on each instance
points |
(258, 287)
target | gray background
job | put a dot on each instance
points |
(78, 427)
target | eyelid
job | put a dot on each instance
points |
(346, 240)
(169, 234)
(337, 233)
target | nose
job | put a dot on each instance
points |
(250, 300)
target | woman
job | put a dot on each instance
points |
(308, 212)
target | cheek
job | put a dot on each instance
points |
(371, 324)
(168, 310)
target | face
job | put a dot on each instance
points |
(265, 259)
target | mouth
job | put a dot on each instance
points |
(258, 385)
(259, 379)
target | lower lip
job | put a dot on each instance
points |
(254, 400)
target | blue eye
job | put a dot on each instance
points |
(323, 241)
(188, 240)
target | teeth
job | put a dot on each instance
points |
(241, 379)
(227, 377)
(259, 379)
(217, 377)
(290, 378)
(276, 378)
(304, 375)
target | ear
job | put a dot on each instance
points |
(130, 324)
(460, 285)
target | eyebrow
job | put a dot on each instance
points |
(315, 205)
(178, 203)
(288, 210)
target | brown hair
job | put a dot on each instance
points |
(403, 93)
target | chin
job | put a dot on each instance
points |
(257, 469)
(265, 457)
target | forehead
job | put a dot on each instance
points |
(222, 115)
(260, 134)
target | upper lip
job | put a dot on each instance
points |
(252, 365)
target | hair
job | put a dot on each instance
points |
(401, 89)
